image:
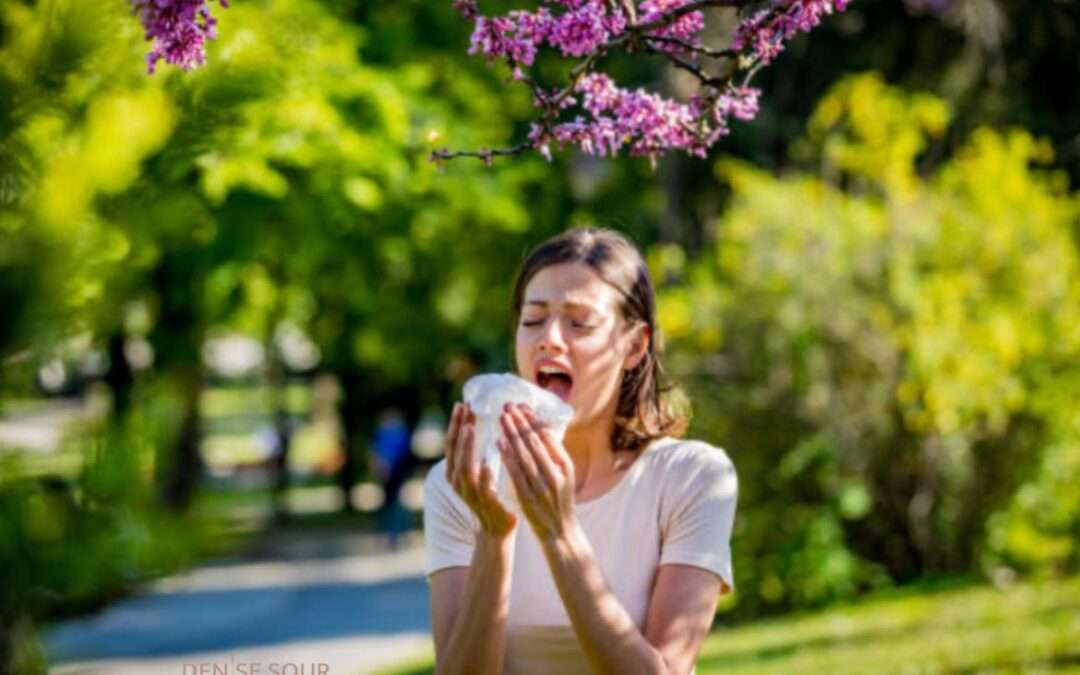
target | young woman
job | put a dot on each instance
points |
(618, 551)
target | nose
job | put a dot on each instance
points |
(551, 339)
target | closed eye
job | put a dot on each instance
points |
(575, 324)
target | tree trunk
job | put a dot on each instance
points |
(283, 432)
(353, 415)
(182, 474)
(119, 376)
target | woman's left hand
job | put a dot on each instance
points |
(541, 470)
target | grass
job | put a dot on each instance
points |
(1026, 628)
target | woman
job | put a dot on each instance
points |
(624, 549)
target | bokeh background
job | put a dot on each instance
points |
(237, 303)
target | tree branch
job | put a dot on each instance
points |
(689, 7)
(693, 48)
(689, 66)
(484, 154)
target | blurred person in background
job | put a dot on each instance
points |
(392, 460)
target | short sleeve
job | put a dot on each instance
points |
(449, 526)
(698, 511)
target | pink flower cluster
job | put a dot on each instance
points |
(738, 102)
(686, 27)
(578, 31)
(648, 123)
(179, 30)
(766, 32)
(612, 118)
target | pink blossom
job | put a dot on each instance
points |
(738, 102)
(610, 118)
(686, 27)
(581, 30)
(178, 30)
(766, 32)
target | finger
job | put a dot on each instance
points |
(461, 466)
(513, 468)
(467, 456)
(515, 437)
(468, 464)
(451, 441)
(556, 451)
(486, 489)
(539, 453)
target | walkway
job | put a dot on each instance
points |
(312, 604)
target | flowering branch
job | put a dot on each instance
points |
(693, 48)
(606, 118)
(178, 29)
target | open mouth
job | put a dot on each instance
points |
(559, 384)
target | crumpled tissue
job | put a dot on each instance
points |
(487, 394)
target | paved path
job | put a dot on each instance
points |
(313, 604)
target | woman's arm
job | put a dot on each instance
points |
(469, 606)
(683, 599)
(681, 609)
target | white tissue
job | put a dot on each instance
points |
(487, 394)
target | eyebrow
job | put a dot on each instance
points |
(569, 303)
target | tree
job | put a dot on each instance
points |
(882, 348)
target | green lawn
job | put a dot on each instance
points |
(1029, 628)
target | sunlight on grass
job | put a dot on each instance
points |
(1028, 628)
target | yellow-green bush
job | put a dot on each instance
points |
(889, 350)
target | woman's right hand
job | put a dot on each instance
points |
(475, 486)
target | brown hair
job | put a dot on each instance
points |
(650, 405)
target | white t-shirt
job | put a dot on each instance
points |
(675, 504)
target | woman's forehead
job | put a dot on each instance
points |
(569, 286)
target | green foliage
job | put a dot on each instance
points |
(888, 356)
(285, 183)
(67, 546)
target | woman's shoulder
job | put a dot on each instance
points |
(440, 499)
(688, 456)
(437, 484)
(691, 474)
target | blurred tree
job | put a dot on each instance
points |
(286, 182)
(879, 348)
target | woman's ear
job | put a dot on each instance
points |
(639, 346)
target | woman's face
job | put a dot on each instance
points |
(571, 339)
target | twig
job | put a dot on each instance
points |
(695, 6)
(484, 154)
(689, 66)
(691, 47)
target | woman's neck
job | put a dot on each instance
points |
(590, 450)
